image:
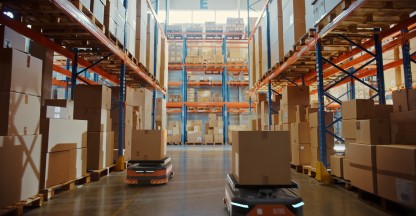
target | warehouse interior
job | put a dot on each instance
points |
(179, 107)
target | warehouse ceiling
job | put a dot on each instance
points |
(257, 5)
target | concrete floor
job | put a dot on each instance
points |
(196, 189)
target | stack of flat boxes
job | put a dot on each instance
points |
(64, 143)
(300, 138)
(150, 43)
(191, 95)
(396, 172)
(20, 141)
(175, 52)
(194, 131)
(276, 32)
(174, 132)
(141, 32)
(372, 128)
(314, 135)
(161, 115)
(175, 98)
(164, 63)
(214, 129)
(93, 103)
(293, 23)
(293, 98)
(263, 112)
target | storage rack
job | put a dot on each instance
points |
(222, 69)
(324, 59)
(81, 39)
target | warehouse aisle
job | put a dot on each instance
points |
(196, 189)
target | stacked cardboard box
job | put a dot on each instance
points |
(293, 23)
(295, 99)
(315, 139)
(174, 132)
(161, 115)
(93, 103)
(175, 98)
(191, 95)
(148, 145)
(20, 141)
(396, 173)
(204, 95)
(234, 25)
(141, 31)
(232, 128)
(276, 32)
(175, 52)
(194, 131)
(366, 125)
(257, 160)
(214, 129)
(164, 64)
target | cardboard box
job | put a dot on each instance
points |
(98, 119)
(142, 97)
(301, 154)
(56, 168)
(347, 144)
(397, 189)
(218, 138)
(68, 106)
(295, 95)
(373, 131)
(209, 138)
(363, 178)
(153, 149)
(294, 24)
(11, 39)
(301, 113)
(402, 127)
(63, 134)
(315, 155)
(313, 118)
(349, 128)
(257, 160)
(300, 133)
(20, 72)
(362, 155)
(382, 111)
(100, 150)
(92, 96)
(411, 99)
(346, 169)
(337, 165)
(20, 156)
(314, 138)
(308, 112)
(288, 114)
(358, 109)
(19, 113)
(400, 101)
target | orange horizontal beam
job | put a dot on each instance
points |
(204, 33)
(214, 83)
(60, 83)
(208, 104)
(68, 73)
(208, 41)
(191, 69)
(230, 111)
(207, 65)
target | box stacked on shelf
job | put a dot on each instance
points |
(174, 132)
(140, 36)
(194, 131)
(191, 95)
(194, 30)
(234, 27)
(315, 139)
(174, 31)
(213, 30)
(175, 52)
(204, 95)
(214, 129)
(294, 24)
(20, 140)
(161, 115)
(276, 32)
(164, 64)
(93, 103)
(175, 98)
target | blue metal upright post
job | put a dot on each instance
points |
(68, 63)
(155, 69)
(269, 85)
(74, 72)
(321, 101)
(407, 69)
(248, 52)
(224, 92)
(380, 69)
(184, 92)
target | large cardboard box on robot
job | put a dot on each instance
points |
(148, 145)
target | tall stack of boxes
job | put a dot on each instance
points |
(293, 23)
(191, 95)
(93, 103)
(194, 131)
(20, 141)
(141, 31)
(161, 114)
(295, 99)
(214, 129)
(174, 132)
(315, 139)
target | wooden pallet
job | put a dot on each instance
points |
(96, 175)
(311, 171)
(89, 14)
(342, 182)
(194, 143)
(386, 205)
(19, 208)
(53, 191)
(298, 168)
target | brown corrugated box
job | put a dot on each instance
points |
(20, 114)
(20, 72)
(358, 109)
(295, 95)
(382, 111)
(301, 154)
(337, 165)
(98, 119)
(402, 127)
(92, 96)
(362, 160)
(257, 160)
(288, 114)
(373, 131)
(315, 154)
(313, 118)
(12, 39)
(314, 137)
(346, 169)
(349, 128)
(400, 101)
(301, 113)
(100, 150)
(300, 133)
(20, 168)
(148, 145)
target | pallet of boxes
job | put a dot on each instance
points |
(261, 123)
(194, 132)
(93, 104)
(20, 138)
(214, 130)
(260, 164)
(174, 133)
(381, 158)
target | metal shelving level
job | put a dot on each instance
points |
(340, 50)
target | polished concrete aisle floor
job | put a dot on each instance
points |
(196, 189)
